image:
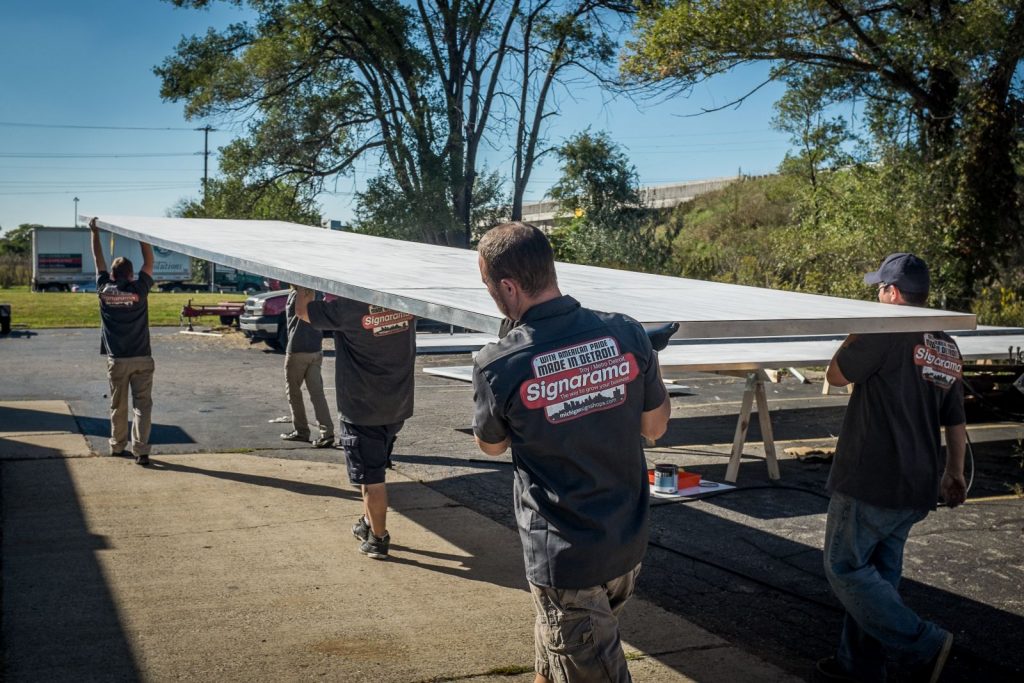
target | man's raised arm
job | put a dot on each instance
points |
(97, 250)
(303, 296)
(147, 258)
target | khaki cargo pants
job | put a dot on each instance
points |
(135, 375)
(306, 367)
(576, 634)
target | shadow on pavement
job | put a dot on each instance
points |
(300, 487)
(758, 584)
(20, 420)
(161, 434)
(788, 424)
(59, 619)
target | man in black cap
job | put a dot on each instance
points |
(888, 473)
(571, 391)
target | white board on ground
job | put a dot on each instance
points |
(443, 283)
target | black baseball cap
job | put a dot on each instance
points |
(908, 272)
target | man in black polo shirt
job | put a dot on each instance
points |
(124, 337)
(888, 473)
(303, 360)
(572, 391)
(375, 354)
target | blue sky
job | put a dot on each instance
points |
(89, 64)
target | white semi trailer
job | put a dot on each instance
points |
(62, 259)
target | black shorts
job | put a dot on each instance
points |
(367, 450)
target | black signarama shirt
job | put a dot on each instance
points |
(124, 315)
(906, 386)
(374, 359)
(568, 385)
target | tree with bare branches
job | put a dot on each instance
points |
(419, 86)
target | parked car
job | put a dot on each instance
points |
(264, 319)
(84, 287)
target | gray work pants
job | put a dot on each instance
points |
(133, 375)
(305, 367)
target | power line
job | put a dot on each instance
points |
(22, 124)
(124, 155)
(85, 184)
(134, 169)
(180, 186)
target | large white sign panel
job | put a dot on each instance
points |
(443, 283)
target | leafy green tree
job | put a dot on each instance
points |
(383, 211)
(418, 87)
(231, 196)
(598, 181)
(938, 82)
(18, 240)
(601, 218)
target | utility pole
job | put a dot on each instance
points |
(207, 129)
(76, 213)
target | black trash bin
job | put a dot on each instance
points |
(5, 318)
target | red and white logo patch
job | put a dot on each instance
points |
(580, 379)
(939, 360)
(118, 299)
(384, 321)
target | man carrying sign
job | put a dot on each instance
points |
(888, 473)
(375, 354)
(571, 391)
(124, 337)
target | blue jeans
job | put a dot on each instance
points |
(863, 563)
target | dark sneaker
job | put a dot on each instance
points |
(324, 442)
(361, 529)
(142, 459)
(829, 669)
(121, 454)
(375, 547)
(931, 670)
(295, 436)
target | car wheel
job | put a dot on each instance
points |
(228, 320)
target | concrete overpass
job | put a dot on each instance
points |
(653, 196)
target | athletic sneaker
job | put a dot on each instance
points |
(324, 442)
(295, 436)
(361, 529)
(375, 547)
(142, 459)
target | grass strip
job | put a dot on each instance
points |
(42, 310)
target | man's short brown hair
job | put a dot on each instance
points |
(121, 268)
(520, 252)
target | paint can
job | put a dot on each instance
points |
(666, 478)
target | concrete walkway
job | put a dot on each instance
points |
(232, 567)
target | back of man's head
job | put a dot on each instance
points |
(121, 269)
(520, 252)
